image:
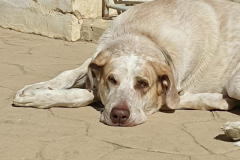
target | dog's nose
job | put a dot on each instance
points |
(119, 116)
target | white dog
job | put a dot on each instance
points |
(177, 54)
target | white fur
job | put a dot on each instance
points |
(201, 37)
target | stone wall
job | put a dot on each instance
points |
(52, 18)
(64, 19)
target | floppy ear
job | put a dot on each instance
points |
(95, 68)
(166, 84)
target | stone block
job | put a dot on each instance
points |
(70, 20)
(52, 18)
(92, 29)
(86, 30)
(98, 27)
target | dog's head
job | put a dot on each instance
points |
(133, 82)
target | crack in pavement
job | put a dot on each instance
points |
(87, 128)
(8, 36)
(7, 43)
(106, 154)
(39, 154)
(215, 116)
(119, 146)
(194, 121)
(7, 88)
(11, 95)
(224, 154)
(20, 67)
(194, 139)
(65, 58)
(50, 112)
(87, 125)
(63, 117)
(29, 51)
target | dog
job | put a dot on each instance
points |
(164, 54)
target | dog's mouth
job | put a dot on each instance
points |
(129, 123)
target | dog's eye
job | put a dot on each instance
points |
(112, 80)
(142, 84)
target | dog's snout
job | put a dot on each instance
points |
(119, 116)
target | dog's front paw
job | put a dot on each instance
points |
(232, 130)
(27, 97)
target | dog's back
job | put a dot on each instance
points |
(202, 38)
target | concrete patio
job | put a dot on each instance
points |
(76, 133)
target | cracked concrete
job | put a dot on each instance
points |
(76, 133)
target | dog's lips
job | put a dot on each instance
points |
(120, 125)
(129, 123)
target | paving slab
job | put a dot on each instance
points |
(135, 154)
(15, 148)
(209, 135)
(74, 148)
(151, 136)
(76, 133)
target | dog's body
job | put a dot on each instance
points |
(148, 56)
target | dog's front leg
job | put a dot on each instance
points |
(206, 101)
(44, 98)
(66, 80)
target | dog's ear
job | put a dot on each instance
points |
(166, 84)
(95, 68)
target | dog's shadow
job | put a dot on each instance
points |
(236, 111)
(98, 106)
(223, 137)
